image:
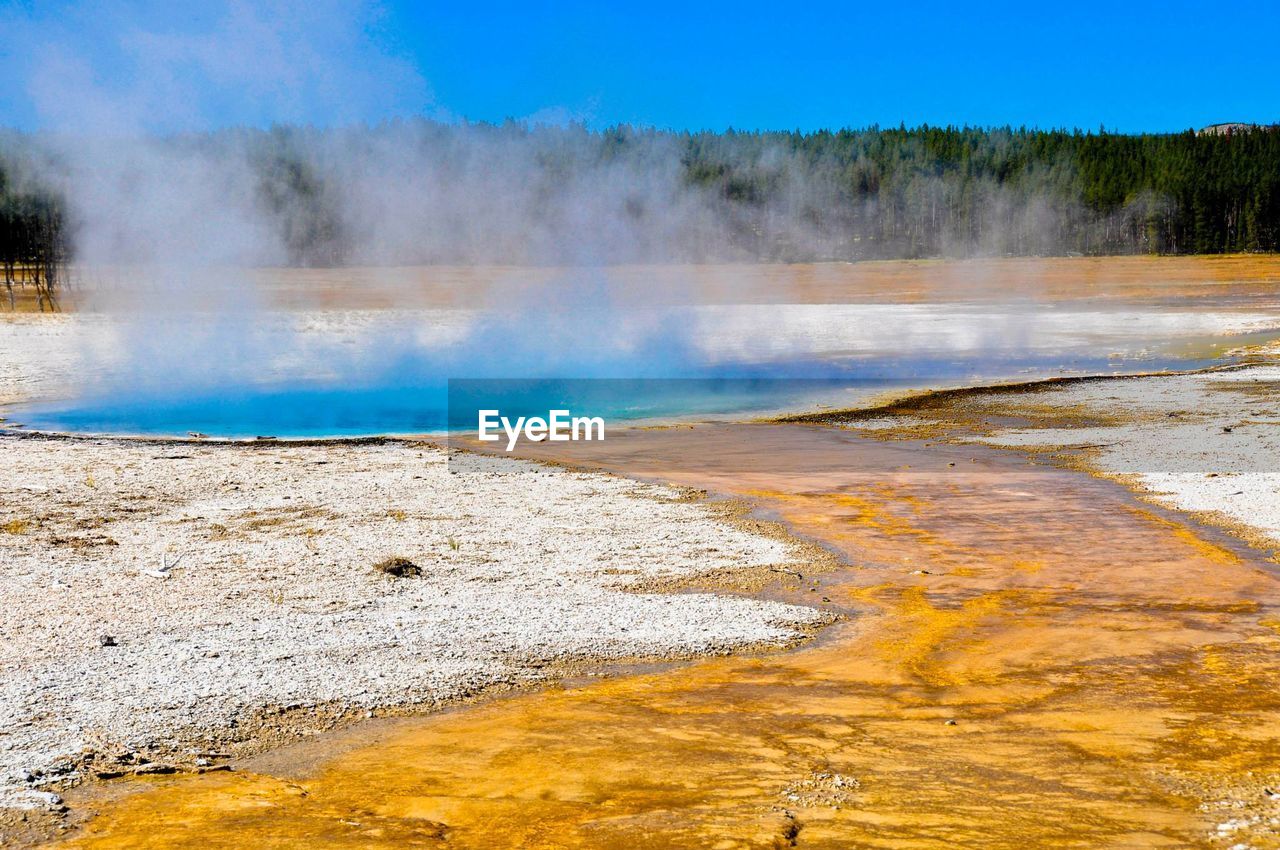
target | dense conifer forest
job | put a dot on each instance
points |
(489, 193)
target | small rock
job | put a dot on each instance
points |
(214, 768)
(50, 800)
(951, 723)
(399, 567)
(153, 768)
(107, 640)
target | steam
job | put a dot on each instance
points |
(168, 215)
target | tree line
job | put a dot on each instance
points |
(929, 191)
(453, 193)
(33, 245)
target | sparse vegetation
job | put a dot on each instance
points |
(15, 526)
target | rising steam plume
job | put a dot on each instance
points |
(171, 209)
(129, 94)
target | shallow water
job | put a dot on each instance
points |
(1033, 659)
(411, 405)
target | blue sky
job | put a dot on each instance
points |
(172, 65)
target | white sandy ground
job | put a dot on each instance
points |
(1168, 436)
(793, 330)
(275, 601)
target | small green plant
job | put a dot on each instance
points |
(453, 542)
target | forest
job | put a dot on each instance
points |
(417, 191)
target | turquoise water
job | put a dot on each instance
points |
(389, 405)
(319, 411)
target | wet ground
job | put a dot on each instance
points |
(1030, 658)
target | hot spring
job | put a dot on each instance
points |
(316, 409)
(227, 369)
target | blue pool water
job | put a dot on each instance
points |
(388, 406)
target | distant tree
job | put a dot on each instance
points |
(772, 196)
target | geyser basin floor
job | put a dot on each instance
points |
(1034, 660)
(1086, 710)
(272, 598)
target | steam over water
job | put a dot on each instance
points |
(165, 208)
(312, 374)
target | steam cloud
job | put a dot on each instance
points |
(167, 217)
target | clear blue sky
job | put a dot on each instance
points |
(1130, 66)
